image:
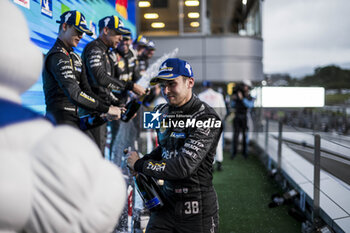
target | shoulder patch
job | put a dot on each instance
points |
(78, 58)
(63, 50)
(96, 50)
(159, 107)
(200, 111)
(204, 131)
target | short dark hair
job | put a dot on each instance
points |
(61, 26)
(184, 78)
(101, 28)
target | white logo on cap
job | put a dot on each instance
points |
(107, 21)
(83, 21)
(163, 66)
(67, 17)
(188, 67)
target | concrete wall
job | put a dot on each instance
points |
(218, 59)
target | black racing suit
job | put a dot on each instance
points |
(184, 159)
(124, 66)
(125, 71)
(142, 64)
(66, 86)
(100, 71)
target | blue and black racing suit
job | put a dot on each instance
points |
(184, 160)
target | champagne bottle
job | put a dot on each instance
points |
(149, 98)
(91, 121)
(133, 106)
(149, 191)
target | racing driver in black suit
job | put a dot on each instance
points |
(64, 78)
(99, 63)
(184, 157)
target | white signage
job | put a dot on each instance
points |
(291, 97)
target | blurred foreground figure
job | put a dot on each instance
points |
(52, 179)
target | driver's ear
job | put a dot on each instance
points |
(190, 82)
(64, 26)
(105, 30)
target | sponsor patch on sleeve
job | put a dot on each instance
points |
(82, 94)
(177, 135)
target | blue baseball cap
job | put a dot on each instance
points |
(171, 69)
(76, 19)
(113, 22)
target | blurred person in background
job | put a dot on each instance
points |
(241, 102)
(125, 65)
(146, 55)
(216, 101)
(140, 46)
(150, 50)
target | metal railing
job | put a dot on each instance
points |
(316, 165)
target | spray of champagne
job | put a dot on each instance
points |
(153, 69)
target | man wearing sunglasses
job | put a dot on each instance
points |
(99, 62)
(64, 79)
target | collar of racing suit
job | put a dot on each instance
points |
(129, 54)
(102, 45)
(187, 107)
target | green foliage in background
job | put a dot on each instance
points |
(329, 77)
(337, 99)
